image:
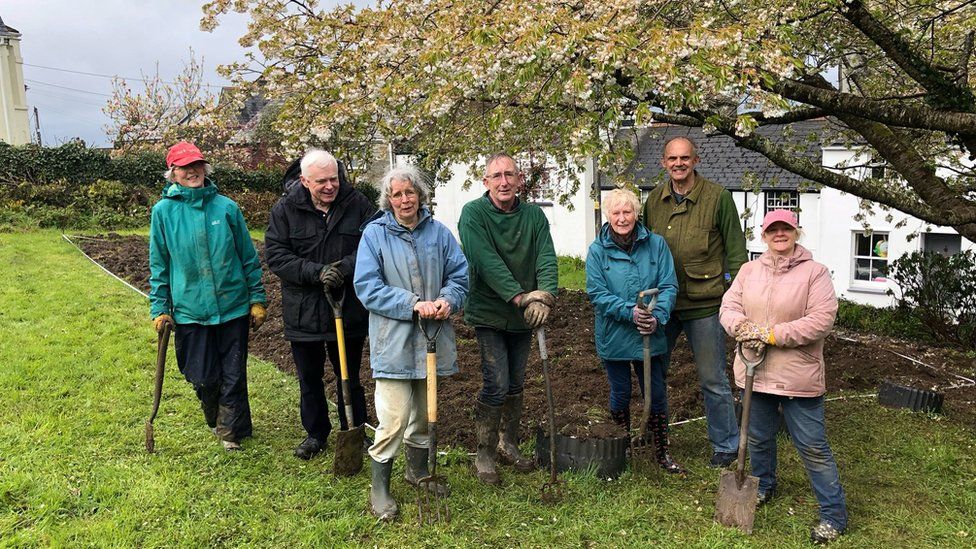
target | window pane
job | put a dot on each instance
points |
(862, 269)
(863, 247)
(880, 248)
(880, 270)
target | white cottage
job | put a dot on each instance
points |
(857, 257)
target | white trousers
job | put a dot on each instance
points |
(401, 408)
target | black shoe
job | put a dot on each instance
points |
(721, 460)
(762, 498)
(309, 448)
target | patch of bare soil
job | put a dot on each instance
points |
(855, 363)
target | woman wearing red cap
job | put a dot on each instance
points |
(784, 301)
(205, 279)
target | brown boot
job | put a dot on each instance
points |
(508, 450)
(658, 425)
(486, 420)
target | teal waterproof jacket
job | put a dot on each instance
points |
(203, 266)
(614, 277)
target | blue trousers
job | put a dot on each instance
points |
(707, 339)
(503, 358)
(805, 420)
(618, 374)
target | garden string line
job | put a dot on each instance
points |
(69, 240)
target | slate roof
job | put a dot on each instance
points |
(721, 160)
(5, 29)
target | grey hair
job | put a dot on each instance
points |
(619, 196)
(319, 159)
(168, 174)
(497, 156)
(403, 173)
(694, 146)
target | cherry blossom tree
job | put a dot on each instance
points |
(457, 78)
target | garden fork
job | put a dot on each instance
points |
(432, 506)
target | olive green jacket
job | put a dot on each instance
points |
(706, 241)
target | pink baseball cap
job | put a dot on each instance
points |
(785, 216)
(183, 154)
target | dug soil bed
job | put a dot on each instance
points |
(856, 363)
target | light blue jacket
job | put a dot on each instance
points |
(396, 268)
(613, 280)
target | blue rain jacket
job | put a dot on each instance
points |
(614, 278)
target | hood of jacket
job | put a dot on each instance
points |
(301, 198)
(783, 264)
(386, 219)
(190, 195)
(606, 240)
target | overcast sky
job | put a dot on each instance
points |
(108, 37)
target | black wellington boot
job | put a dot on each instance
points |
(486, 419)
(659, 427)
(508, 450)
(381, 502)
(417, 469)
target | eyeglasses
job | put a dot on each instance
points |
(497, 176)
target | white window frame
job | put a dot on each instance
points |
(773, 200)
(870, 283)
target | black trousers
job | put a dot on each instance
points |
(214, 360)
(310, 361)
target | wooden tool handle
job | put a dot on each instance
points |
(432, 387)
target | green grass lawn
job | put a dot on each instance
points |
(76, 364)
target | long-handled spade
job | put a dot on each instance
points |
(161, 344)
(551, 490)
(349, 441)
(736, 502)
(431, 509)
(642, 457)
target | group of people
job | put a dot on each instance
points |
(398, 267)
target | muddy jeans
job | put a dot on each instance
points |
(618, 374)
(401, 408)
(707, 340)
(503, 358)
(805, 420)
(214, 360)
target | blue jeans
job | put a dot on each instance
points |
(707, 340)
(618, 374)
(503, 358)
(805, 420)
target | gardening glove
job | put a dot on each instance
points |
(645, 321)
(536, 314)
(160, 320)
(750, 333)
(538, 296)
(258, 315)
(331, 276)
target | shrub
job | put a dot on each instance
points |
(940, 291)
(887, 321)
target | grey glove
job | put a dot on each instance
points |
(536, 314)
(645, 321)
(331, 276)
(538, 296)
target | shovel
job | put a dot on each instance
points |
(736, 502)
(161, 345)
(643, 461)
(432, 507)
(349, 442)
(551, 491)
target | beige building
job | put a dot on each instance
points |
(14, 128)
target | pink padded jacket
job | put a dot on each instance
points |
(795, 297)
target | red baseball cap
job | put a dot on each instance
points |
(784, 216)
(182, 154)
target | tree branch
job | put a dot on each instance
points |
(949, 94)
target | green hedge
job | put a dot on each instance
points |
(77, 164)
